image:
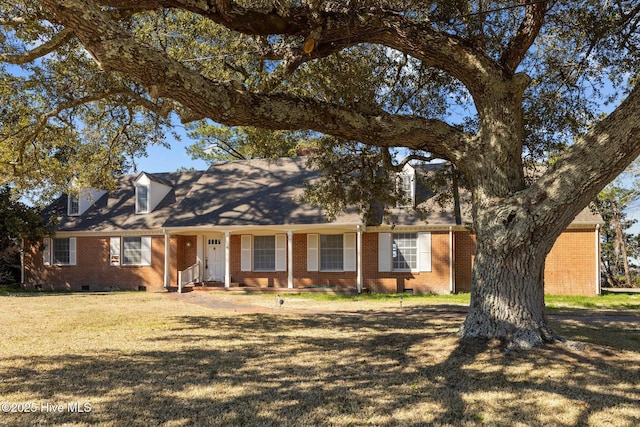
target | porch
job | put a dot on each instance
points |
(263, 261)
(240, 288)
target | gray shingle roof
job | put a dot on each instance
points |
(251, 192)
(116, 210)
(242, 193)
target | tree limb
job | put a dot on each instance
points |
(38, 52)
(229, 104)
(525, 36)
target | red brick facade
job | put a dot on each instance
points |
(93, 270)
(571, 266)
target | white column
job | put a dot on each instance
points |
(452, 286)
(598, 290)
(227, 259)
(359, 259)
(290, 259)
(167, 259)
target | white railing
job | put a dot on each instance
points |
(189, 275)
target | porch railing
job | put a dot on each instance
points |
(189, 275)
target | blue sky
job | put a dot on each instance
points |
(161, 159)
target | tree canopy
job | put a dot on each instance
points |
(493, 87)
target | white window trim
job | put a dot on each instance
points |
(148, 188)
(71, 198)
(247, 255)
(411, 195)
(349, 253)
(424, 253)
(146, 251)
(48, 252)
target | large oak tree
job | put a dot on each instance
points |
(491, 86)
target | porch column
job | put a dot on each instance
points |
(290, 259)
(227, 259)
(167, 259)
(597, 249)
(359, 259)
(452, 285)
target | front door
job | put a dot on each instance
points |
(214, 265)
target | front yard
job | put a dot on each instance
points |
(180, 360)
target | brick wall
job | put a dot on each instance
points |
(465, 248)
(93, 269)
(570, 267)
(435, 281)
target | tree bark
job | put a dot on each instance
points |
(507, 293)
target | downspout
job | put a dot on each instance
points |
(290, 259)
(227, 259)
(598, 290)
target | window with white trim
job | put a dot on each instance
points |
(142, 199)
(404, 252)
(59, 251)
(264, 253)
(331, 252)
(406, 188)
(130, 250)
(74, 205)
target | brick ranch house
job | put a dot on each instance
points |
(243, 223)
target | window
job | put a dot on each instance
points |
(142, 199)
(74, 204)
(331, 252)
(59, 251)
(264, 253)
(135, 251)
(405, 251)
(406, 186)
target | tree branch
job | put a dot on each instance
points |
(44, 49)
(230, 104)
(387, 160)
(525, 36)
(589, 164)
(344, 27)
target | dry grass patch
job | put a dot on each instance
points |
(146, 359)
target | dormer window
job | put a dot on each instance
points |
(74, 205)
(79, 200)
(142, 199)
(150, 191)
(406, 189)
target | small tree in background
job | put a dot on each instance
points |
(18, 221)
(619, 245)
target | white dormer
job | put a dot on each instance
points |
(406, 182)
(80, 201)
(149, 192)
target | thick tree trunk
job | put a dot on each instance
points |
(507, 295)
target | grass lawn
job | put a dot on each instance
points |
(180, 360)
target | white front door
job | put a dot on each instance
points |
(214, 263)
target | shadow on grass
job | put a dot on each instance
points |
(329, 369)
